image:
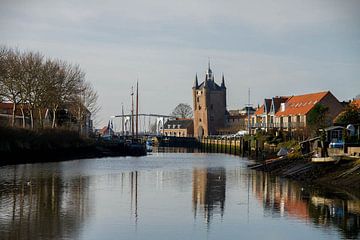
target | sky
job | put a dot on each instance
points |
(272, 47)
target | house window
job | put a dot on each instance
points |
(211, 106)
(211, 118)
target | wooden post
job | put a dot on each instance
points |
(225, 145)
(235, 147)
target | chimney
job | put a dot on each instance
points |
(282, 107)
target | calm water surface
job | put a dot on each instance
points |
(167, 196)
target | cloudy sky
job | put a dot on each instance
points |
(273, 47)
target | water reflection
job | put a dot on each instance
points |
(208, 195)
(33, 205)
(166, 195)
(283, 198)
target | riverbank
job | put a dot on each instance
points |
(26, 146)
(344, 174)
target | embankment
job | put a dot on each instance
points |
(48, 145)
(344, 174)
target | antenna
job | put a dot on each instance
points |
(248, 106)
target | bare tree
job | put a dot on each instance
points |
(182, 110)
(84, 102)
(40, 86)
(9, 74)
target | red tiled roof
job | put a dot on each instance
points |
(278, 100)
(6, 105)
(356, 102)
(260, 110)
(301, 104)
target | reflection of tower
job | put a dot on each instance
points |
(209, 187)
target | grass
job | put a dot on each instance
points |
(19, 139)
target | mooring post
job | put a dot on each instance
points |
(235, 147)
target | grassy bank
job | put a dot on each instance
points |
(47, 145)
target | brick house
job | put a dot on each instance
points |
(6, 111)
(180, 127)
(290, 113)
(264, 116)
(294, 113)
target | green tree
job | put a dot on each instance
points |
(318, 118)
(351, 115)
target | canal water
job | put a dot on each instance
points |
(164, 195)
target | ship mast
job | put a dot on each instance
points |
(132, 112)
(137, 109)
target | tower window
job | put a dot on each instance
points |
(199, 107)
(198, 99)
(199, 119)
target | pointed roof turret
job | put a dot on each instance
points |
(223, 81)
(196, 82)
(208, 73)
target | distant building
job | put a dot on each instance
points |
(106, 131)
(179, 127)
(6, 113)
(237, 120)
(64, 117)
(209, 100)
(356, 102)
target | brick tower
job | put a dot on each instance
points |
(209, 105)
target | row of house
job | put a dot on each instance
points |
(64, 117)
(285, 113)
(291, 112)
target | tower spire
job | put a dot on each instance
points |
(223, 81)
(196, 83)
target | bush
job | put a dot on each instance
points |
(18, 139)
